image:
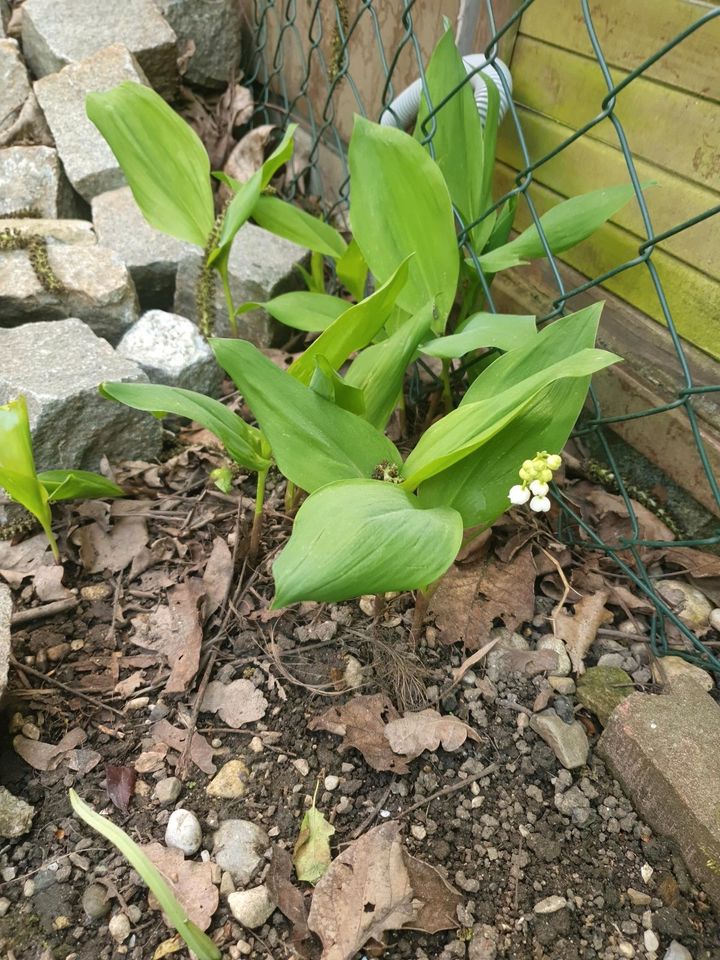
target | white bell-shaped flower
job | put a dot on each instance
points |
(540, 504)
(539, 488)
(518, 494)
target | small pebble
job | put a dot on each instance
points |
(626, 950)
(167, 790)
(331, 782)
(95, 901)
(256, 745)
(184, 832)
(550, 905)
(652, 944)
(31, 731)
(302, 767)
(418, 831)
(28, 888)
(119, 927)
(637, 898)
(251, 907)
(96, 591)
(4, 906)
(715, 619)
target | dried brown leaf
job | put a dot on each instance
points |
(248, 155)
(120, 785)
(174, 630)
(365, 892)
(111, 550)
(218, 576)
(236, 703)
(83, 761)
(696, 563)
(578, 632)
(472, 596)
(414, 733)
(361, 722)
(152, 760)
(48, 584)
(201, 753)
(435, 900)
(610, 517)
(191, 882)
(286, 895)
(48, 756)
(20, 560)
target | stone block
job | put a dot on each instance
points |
(32, 183)
(14, 84)
(97, 288)
(89, 162)
(260, 266)
(5, 648)
(664, 751)
(58, 367)
(151, 257)
(54, 231)
(4, 16)
(56, 33)
(214, 28)
(171, 350)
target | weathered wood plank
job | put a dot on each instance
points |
(629, 34)
(588, 164)
(675, 130)
(693, 297)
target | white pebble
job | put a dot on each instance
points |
(651, 941)
(331, 782)
(251, 907)
(184, 832)
(626, 950)
(646, 871)
(418, 831)
(119, 928)
(302, 767)
(550, 905)
(715, 619)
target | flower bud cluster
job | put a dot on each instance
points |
(536, 475)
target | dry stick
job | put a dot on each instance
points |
(373, 813)
(22, 668)
(451, 789)
(467, 664)
(40, 613)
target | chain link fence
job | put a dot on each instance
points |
(302, 69)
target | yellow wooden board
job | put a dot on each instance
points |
(630, 32)
(677, 131)
(588, 164)
(693, 298)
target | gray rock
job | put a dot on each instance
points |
(151, 256)
(574, 804)
(676, 951)
(214, 28)
(171, 350)
(15, 815)
(97, 288)
(58, 367)
(5, 646)
(261, 266)
(239, 847)
(550, 905)
(568, 741)
(95, 901)
(690, 604)
(252, 908)
(14, 84)
(554, 643)
(498, 659)
(183, 832)
(4, 15)
(167, 790)
(56, 33)
(601, 689)
(88, 161)
(32, 183)
(54, 231)
(667, 669)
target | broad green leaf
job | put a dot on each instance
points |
(74, 484)
(313, 441)
(312, 856)
(353, 329)
(243, 443)
(352, 270)
(400, 205)
(470, 426)
(197, 941)
(286, 220)
(477, 486)
(301, 309)
(330, 385)
(564, 225)
(379, 370)
(504, 331)
(17, 466)
(492, 119)
(457, 135)
(364, 536)
(502, 226)
(163, 159)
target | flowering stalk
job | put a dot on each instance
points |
(536, 475)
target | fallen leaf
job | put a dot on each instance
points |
(248, 155)
(435, 900)
(609, 516)
(48, 756)
(365, 891)
(286, 895)
(236, 703)
(471, 597)
(130, 684)
(20, 560)
(218, 576)
(83, 761)
(201, 753)
(169, 946)
(578, 632)
(174, 630)
(361, 721)
(111, 550)
(191, 882)
(414, 733)
(48, 584)
(312, 849)
(152, 760)
(696, 563)
(120, 785)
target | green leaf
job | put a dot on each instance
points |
(364, 536)
(74, 484)
(243, 443)
(286, 220)
(198, 942)
(163, 159)
(312, 850)
(301, 309)
(564, 225)
(313, 441)
(504, 331)
(354, 328)
(379, 371)
(492, 119)
(400, 205)
(17, 466)
(330, 385)
(503, 225)
(470, 426)
(352, 270)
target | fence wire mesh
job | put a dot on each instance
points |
(312, 41)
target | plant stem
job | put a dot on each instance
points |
(229, 301)
(290, 490)
(402, 413)
(258, 515)
(446, 389)
(422, 601)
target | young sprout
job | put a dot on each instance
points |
(536, 475)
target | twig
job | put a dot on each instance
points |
(467, 664)
(451, 789)
(511, 705)
(373, 813)
(63, 686)
(47, 610)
